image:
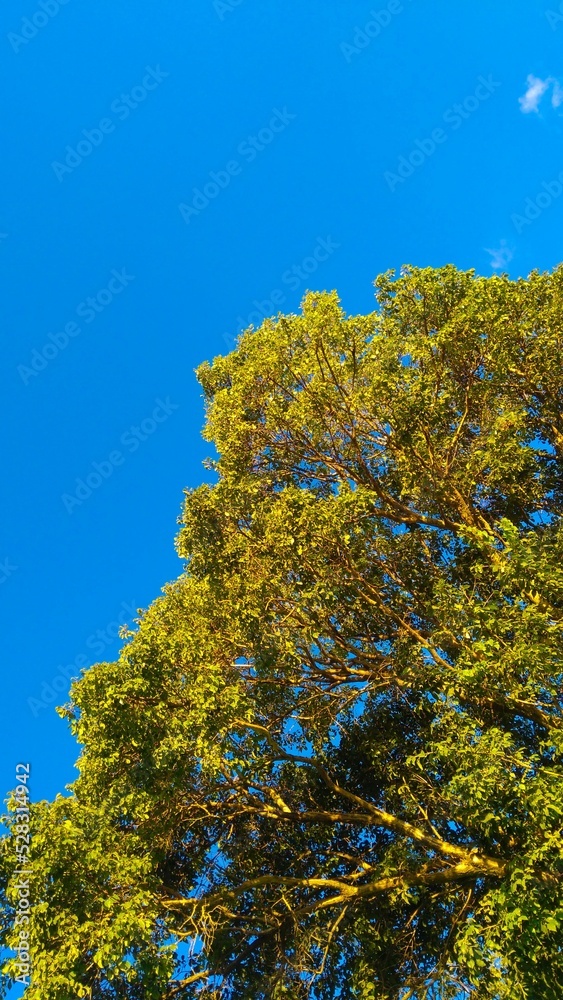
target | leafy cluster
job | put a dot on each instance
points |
(327, 765)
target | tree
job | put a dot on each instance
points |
(327, 763)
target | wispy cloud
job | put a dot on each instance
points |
(530, 100)
(536, 89)
(557, 95)
(500, 256)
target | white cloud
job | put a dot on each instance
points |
(557, 95)
(536, 89)
(501, 256)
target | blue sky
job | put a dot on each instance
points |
(173, 171)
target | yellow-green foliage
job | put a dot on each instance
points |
(327, 764)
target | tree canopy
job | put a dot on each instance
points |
(327, 764)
